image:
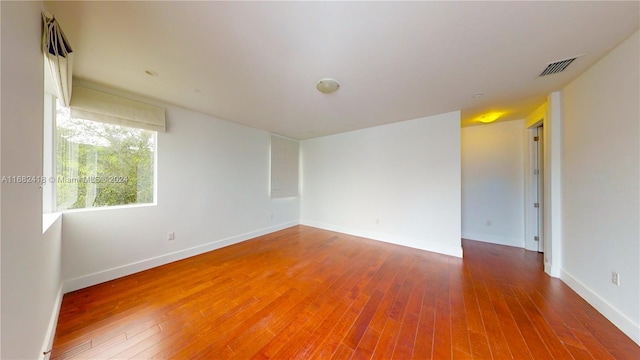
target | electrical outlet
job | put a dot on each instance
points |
(615, 278)
(171, 236)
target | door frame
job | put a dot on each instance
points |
(530, 212)
(551, 114)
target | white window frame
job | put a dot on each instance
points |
(49, 155)
(50, 166)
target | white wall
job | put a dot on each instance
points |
(31, 283)
(213, 190)
(493, 183)
(398, 183)
(601, 172)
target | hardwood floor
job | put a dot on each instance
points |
(305, 293)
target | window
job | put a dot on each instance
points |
(100, 164)
(100, 151)
(284, 167)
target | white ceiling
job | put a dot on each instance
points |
(256, 63)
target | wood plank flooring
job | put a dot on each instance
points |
(305, 293)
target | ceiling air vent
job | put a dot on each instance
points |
(557, 67)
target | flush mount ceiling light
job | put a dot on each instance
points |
(327, 86)
(490, 117)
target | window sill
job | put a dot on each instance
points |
(48, 220)
(103, 208)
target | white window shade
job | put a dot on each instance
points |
(98, 106)
(58, 57)
(284, 167)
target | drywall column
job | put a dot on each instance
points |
(553, 185)
(31, 265)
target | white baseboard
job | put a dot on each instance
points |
(552, 270)
(132, 268)
(398, 240)
(51, 329)
(492, 239)
(623, 322)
